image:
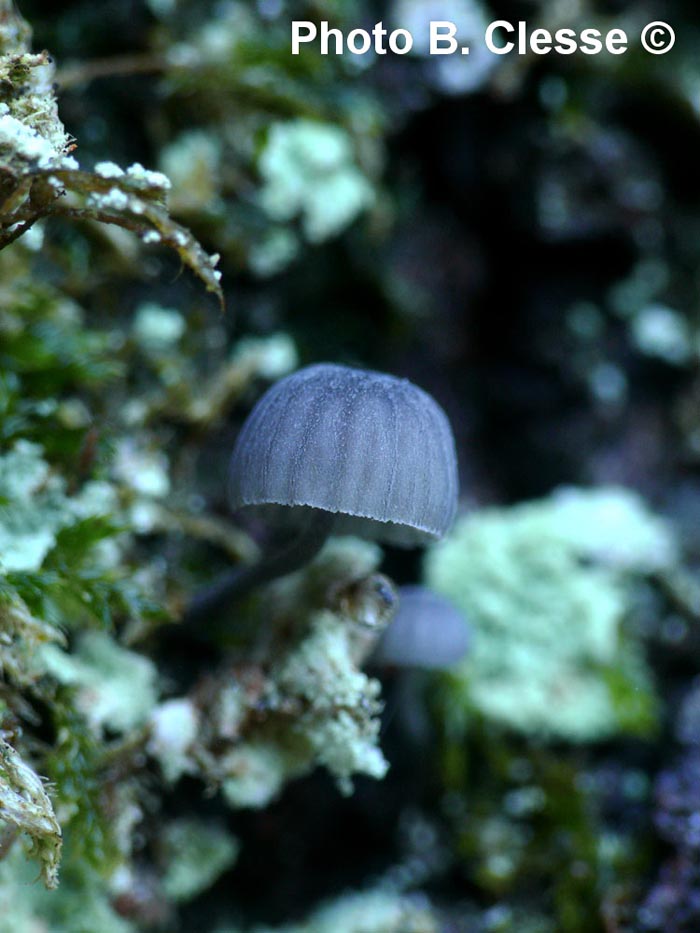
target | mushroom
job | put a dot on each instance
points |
(330, 449)
(427, 632)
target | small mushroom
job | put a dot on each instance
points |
(332, 449)
(427, 632)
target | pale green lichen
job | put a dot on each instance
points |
(452, 74)
(251, 729)
(34, 507)
(610, 526)
(274, 252)
(252, 358)
(320, 710)
(62, 569)
(156, 328)
(257, 771)
(339, 702)
(270, 357)
(196, 855)
(373, 911)
(308, 170)
(218, 40)
(663, 333)
(547, 588)
(115, 688)
(79, 905)
(192, 162)
(316, 168)
(173, 728)
(144, 470)
(341, 560)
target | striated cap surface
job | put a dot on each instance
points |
(375, 450)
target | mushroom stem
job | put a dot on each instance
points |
(297, 552)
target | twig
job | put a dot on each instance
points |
(116, 66)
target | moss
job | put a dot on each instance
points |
(38, 170)
(25, 638)
(76, 766)
(529, 816)
(26, 807)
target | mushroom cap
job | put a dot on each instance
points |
(428, 631)
(376, 451)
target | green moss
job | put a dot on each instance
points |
(529, 816)
(26, 807)
(76, 767)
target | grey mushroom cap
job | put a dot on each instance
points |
(376, 451)
(428, 632)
